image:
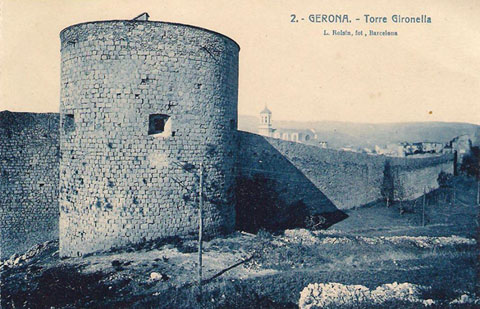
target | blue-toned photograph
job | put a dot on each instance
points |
(248, 154)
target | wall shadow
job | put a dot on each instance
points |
(273, 194)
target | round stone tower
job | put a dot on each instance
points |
(143, 104)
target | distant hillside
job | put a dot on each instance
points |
(342, 134)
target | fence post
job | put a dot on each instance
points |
(423, 205)
(478, 192)
(454, 193)
(200, 233)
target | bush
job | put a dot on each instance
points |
(445, 180)
(316, 222)
(259, 205)
(387, 189)
(471, 163)
(264, 234)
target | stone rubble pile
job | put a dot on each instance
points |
(318, 237)
(19, 259)
(308, 237)
(466, 299)
(321, 295)
(427, 242)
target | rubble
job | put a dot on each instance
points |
(320, 295)
(154, 276)
(318, 237)
(17, 259)
(466, 299)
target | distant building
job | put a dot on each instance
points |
(431, 147)
(265, 128)
(408, 149)
(322, 144)
(294, 135)
(348, 149)
(461, 145)
(411, 148)
(393, 150)
(476, 138)
(306, 136)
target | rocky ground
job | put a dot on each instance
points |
(377, 255)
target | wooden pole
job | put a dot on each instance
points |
(454, 193)
(423, 206)
(478, 192)
(200, 232)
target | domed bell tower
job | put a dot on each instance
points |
(265, 128)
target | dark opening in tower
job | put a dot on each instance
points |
(157, 123)
(69, 123)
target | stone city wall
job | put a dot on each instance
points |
(268, 180)
(411, 176)
(29, 160)
(347, 179)
(322, 180)
(143, 104)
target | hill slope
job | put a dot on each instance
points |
(341, 134)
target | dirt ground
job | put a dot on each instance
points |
(373, 246)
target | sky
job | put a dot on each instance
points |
(429, 72)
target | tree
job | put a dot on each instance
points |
(471, 163)
(471, 167)
(398, 189)
(445, 182)
(387, 188)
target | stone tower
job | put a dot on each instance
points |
(143, 103)
(265, 128)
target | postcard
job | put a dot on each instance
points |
(239, 154)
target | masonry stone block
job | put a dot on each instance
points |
(116, 76)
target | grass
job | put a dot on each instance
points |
(282, 267)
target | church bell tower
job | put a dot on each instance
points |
(265, 128)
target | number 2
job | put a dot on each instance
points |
(293, 18)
